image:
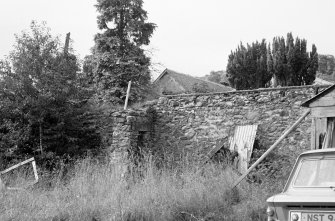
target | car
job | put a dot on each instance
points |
(309, 193)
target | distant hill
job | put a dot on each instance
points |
(326, 64)
(219, 77)
(326, 77)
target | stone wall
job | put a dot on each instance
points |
(193, 124)
(132, 132)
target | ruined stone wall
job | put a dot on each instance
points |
(193, 124)
(132, 130)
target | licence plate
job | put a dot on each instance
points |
(317, 216)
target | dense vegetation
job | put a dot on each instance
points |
(43, 106)
(287, 62)
(52, 109)
(117, 56)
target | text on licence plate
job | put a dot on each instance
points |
(318, 216)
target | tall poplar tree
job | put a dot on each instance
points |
(117, 54)
(293, 65)
(247, 66)
(312, 66)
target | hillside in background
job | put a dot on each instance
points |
(326, 77)
(219, 77)
(326, 64)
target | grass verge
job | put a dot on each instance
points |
(96, 191)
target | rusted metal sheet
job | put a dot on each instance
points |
(243, 142)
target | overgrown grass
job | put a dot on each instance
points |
(97, 191)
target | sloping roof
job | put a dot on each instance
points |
(323, 93)
(188, 81)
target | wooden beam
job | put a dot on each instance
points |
(289, 130)
(127, 97)
(33, 162)
(17, 165)
(67, 43)
(35, 171)
(313, 137)
(322, 112)
(323, 102)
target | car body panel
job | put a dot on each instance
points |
(305, 198)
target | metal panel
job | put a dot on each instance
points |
(243, 142)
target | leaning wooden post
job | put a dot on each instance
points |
(272, 148)
(127, 97)
(2, 185)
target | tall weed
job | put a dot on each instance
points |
(97, 191)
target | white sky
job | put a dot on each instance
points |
(193, 36)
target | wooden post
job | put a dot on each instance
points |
(2, 185)
(271, 148)
(127, 97)
(33, 162)
(313, 131)
(67, 43)
(17, 165)
(35, 171)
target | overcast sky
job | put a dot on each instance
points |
(193, 36)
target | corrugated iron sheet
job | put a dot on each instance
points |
(243, 142)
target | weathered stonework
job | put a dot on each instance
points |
(193, 124)
(128, 129)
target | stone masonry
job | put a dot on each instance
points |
(129, 128)
(193, 124)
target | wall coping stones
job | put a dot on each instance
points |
(248, 91)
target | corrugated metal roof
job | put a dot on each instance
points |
(243, 142)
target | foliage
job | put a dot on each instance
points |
(247, 66)
(326, 64)
(215, 76)
(200, 88)
(292, 64)
(219, 77)
(117, 56)
(42, 103)
(288, 62)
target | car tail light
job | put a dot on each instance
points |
(270, 211)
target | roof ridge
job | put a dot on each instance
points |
(211, 82)
(221, 85)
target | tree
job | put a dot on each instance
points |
(280, 61)
(41, 98)
(288, 63)
(292, 63)
(247, 66)
(117, 55)
(215, 76)
(312, 66)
